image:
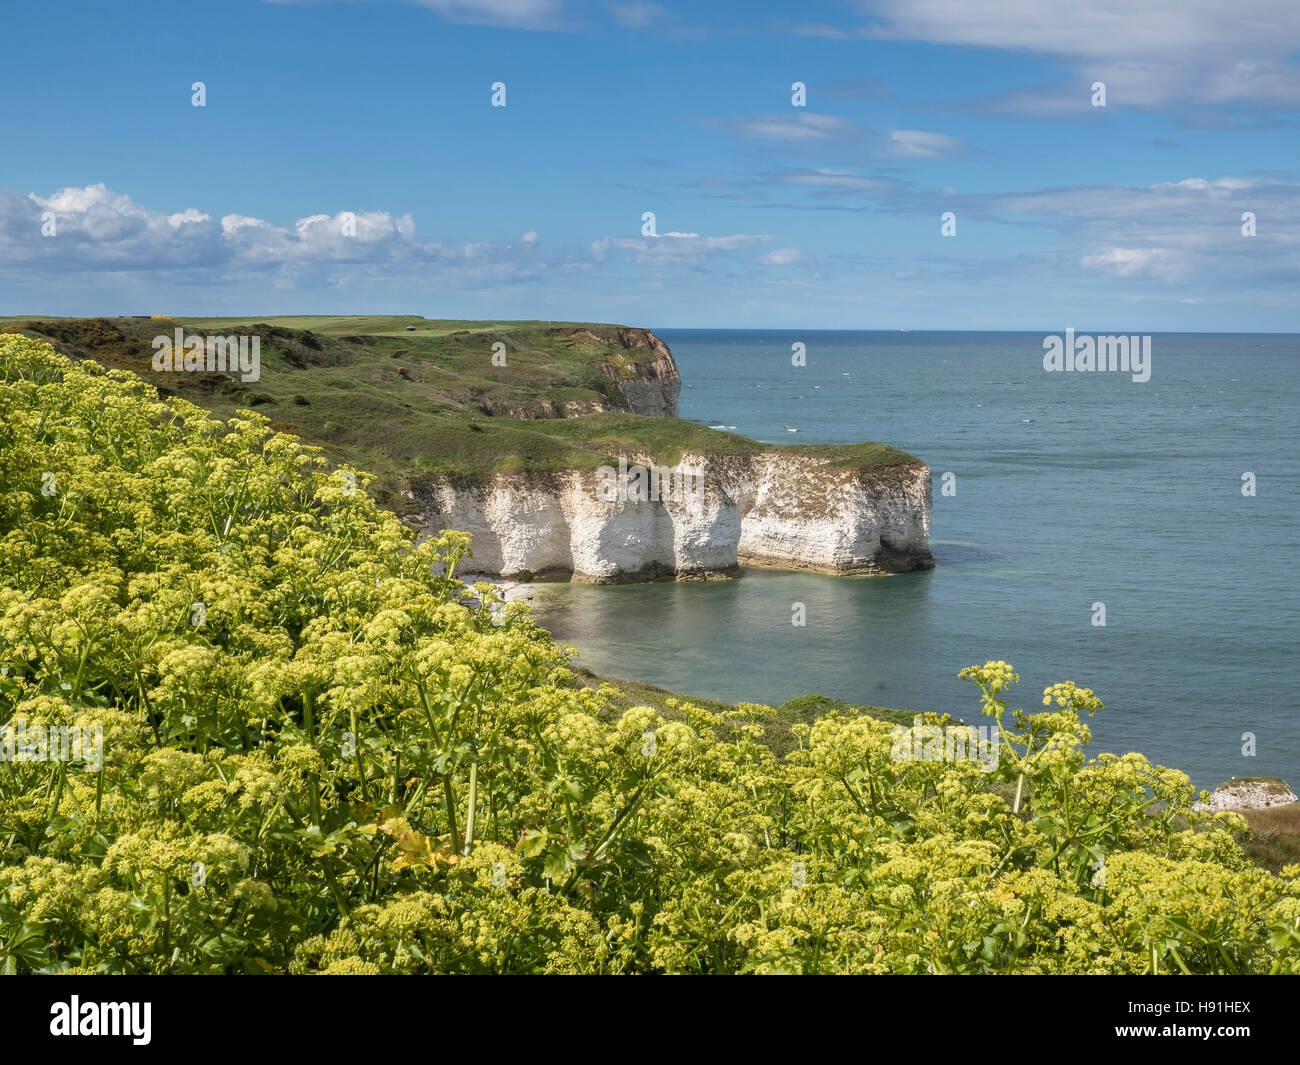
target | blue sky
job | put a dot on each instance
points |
(1122, 217)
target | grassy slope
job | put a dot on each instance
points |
(1276, 839)
(804, 709)
(405, 404)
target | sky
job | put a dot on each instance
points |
(347, 159)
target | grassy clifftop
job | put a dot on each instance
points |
(406, 397)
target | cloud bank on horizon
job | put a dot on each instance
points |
(874, 164)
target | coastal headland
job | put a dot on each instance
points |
(557, 445)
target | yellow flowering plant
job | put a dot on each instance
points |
(323, 753)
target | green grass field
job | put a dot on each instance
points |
(373, 325)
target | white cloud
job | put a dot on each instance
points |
(232, 223)
(103, 227)
(780, 257)
(510, 14)
(1125, 262)
(675, 248)
(516, 14)
(1100, 29)
(836, 180)
(825, 29)
(1178, 211)
(636, 16)
(916, 144)
(100, 232)
(808, 127)
(189, 216)
(1220, 186)
(96, 229)
(1188, 230)
(1154, 54)
(798, 126)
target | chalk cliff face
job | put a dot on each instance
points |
(766, 508)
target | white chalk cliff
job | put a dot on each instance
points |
(769, 508)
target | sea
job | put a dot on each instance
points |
(1139, 538)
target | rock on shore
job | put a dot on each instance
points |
(1253, 793)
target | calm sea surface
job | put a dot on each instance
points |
(1071, 489)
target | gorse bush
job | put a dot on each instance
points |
(324, 753)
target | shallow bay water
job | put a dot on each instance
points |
(1071, 489)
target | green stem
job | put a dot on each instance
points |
(361, 765)
(60, 774)
(448, 795)
(81, 666)
(599, 850)
(449, 801)
(473, 801)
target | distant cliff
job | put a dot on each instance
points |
(651, 387)
(642, 378)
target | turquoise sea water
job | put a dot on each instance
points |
(1071, 489)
